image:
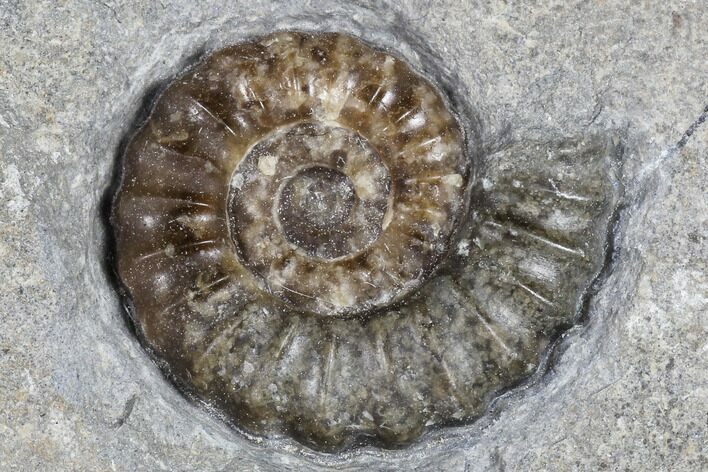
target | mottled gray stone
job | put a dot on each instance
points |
(627, 390)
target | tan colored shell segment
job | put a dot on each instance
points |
(286, 187)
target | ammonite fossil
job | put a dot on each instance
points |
(310, 249)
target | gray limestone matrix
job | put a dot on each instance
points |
(310, 246)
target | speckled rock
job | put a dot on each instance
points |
(624, 391)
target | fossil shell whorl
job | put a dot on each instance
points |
(333, 225)
(286, 188)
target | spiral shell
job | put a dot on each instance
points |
(293, 232)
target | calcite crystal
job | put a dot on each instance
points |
(309, 246)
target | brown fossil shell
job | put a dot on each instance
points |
(294, 235)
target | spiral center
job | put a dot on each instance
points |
(317, 197)
(305, 198)
(314, 208)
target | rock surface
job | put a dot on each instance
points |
(627, 390)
